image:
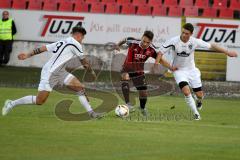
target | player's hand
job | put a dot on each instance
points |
(232, 54)
(23, 56)
(117, 47)
(173, 68)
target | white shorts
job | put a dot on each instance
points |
(193, 77)
(50, 80)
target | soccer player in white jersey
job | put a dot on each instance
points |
(187, 75)
(54, 72)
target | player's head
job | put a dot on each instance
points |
(5, 15)
(78, 32)
(187, 32)
(147, 39)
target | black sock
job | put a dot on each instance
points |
(143, 102)
(125, 91)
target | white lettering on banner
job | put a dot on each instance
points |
(160, 33)
(114, 28)
(96, 27)
(132, 30)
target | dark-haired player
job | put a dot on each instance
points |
(188, 75)
(54, 72)
(133, 68)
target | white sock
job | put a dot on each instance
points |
(191, 103)
(82, 98)
(24, 100)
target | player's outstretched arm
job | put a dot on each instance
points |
(119, 44)
(168, 65)
(23, 56)
(165, 63)
(218, 48)
(159, 57)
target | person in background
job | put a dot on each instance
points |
(7, 31)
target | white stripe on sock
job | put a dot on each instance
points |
(191, 103)
(24, 100)
(85, 103)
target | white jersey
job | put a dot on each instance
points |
(183, 53)
(54, 72)
(63, 51)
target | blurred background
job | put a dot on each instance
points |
(40, 22)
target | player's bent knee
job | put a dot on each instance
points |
(182, 84)
(186, 91)
(40, 101)
(125, 77)
(200, 94)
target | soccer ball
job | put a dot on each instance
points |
(122, 110)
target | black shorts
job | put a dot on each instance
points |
(138, 80)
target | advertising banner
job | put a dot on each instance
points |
(102, 28)
(224, 32)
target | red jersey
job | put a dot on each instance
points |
(137, 56)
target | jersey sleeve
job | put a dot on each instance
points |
(51, 47)
(167, 46)
(154, 51)
(130, 40)
(202, 44)
(54, 47)
(154, 54)
(78, 51)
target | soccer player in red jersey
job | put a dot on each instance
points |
(133, 68)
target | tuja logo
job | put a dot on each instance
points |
(219, 33)
(60, 25)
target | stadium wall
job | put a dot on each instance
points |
(36, 28)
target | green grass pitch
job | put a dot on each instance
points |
(35, 133)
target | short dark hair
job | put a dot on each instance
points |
(5, 11)
(79, 29)
(149, 34)
(189, 27)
